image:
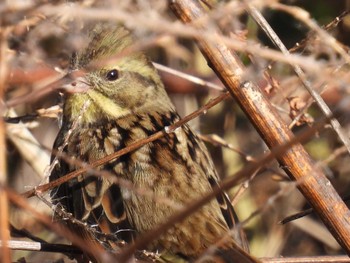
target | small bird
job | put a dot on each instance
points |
(118, 102)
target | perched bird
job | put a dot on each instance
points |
(119, 101)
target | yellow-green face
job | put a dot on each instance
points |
(119, 83)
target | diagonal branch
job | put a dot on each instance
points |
(88, 246)
(300, 73)
(296, 162)
(137, 144)
(226, 184)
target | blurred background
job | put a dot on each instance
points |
(39, 37)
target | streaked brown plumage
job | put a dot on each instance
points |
(122, 102)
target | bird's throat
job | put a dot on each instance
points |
(90, 106)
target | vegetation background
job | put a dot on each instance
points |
(38, 38)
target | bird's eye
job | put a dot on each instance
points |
(112, 75)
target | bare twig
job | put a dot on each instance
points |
(304, 16)
(28, 147)
(164, 26)
(189, 77)
(297, 69)
(296, 162)
(319, 259)
(92, 248)
(226, 184)
(131, 147)
(4, 207)
(42, 247)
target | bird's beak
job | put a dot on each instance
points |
(76, 82)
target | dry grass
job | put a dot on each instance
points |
(37, 39)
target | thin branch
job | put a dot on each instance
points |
(137, 144)
(134, 20)
(226, 184)
(311, 181)
(28, 146)
(42, 247)
(188, 77)
(4, 207)
(218, 141)
(304, 16)
(317, 259)
(86, 245)
(258, 17)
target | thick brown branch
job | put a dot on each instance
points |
(194, 205)
(296, 162)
